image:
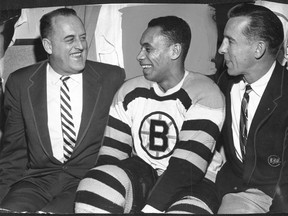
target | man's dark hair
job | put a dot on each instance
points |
(175, 29)
(263, 25)
(46, 24)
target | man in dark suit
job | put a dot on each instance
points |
(41, 162)
(255, 177)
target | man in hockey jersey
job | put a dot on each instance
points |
(161, 134)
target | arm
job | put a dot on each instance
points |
(13, 156)
(194, 150)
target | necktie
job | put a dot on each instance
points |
(243, 119)
(68, 131)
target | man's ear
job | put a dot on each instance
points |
(47, 45)
(176, 50)
(260, 49)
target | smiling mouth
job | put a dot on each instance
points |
(146, 66)
(76, 55)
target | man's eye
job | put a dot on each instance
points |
(147, 49)
(69, 41)
(230, 41)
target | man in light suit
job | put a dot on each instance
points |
(36, 172)
(255, 177)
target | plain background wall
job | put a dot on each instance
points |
(204, 32)
(134, 22)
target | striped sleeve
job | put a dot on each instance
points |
(117, 144)
(194, 150)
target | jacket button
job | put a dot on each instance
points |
(65, 167)
(235, 188)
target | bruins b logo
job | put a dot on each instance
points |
(158, 135)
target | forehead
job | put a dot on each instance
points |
(153, 35)
(235, 26)
(67, 24)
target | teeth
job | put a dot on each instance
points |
(76, 54)
(146, 66)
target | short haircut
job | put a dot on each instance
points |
(46, 24)
(263, 25)
(175, 29)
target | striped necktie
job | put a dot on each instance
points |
(68, 131)
(244, 119)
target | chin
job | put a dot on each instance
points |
(148, 77)
(233, 72)
(230, 71)
(79, 67)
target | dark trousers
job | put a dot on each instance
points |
(50, 193)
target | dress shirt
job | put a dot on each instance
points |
(236, 94)
(75, 86)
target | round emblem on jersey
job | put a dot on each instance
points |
(274, 160)
(158, 135)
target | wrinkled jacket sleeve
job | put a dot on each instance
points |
(13, 156)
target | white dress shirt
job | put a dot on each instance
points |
(255, 96)
(75, 85)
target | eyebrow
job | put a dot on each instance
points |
(230, 38)
(69, 36)
(72, 36)
(145, 44)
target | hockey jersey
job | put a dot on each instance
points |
(173, 131)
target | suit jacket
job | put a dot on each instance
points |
(26, 148)
(265, 166)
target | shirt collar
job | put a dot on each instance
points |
(55, 77)
(172, 90)
(259, 86)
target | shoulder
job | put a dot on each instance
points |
(22, 77)
(95, 64)
(196, 83)
(105, 68)
(108, 72)
(203, 89)
(132, 86)
(24, 72)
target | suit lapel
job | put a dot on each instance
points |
(268, 102)
(38, 100)
(92, 86)
(266, 107)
